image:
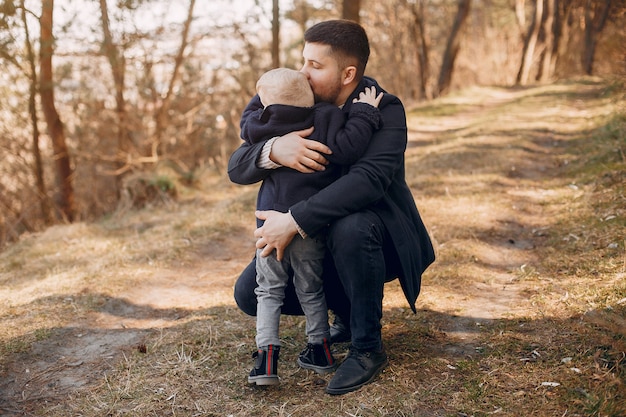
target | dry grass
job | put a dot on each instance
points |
(523, 313)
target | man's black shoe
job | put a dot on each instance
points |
(340, 331)
(358, 369)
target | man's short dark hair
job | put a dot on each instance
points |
(347, 40)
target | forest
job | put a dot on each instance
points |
(111, 105)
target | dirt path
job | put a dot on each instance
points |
(485, 225)
(497, 156)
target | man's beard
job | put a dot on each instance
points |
(329, 95)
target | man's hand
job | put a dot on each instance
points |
(304, 155)
(276, 233)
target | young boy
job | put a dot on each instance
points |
(285, 103)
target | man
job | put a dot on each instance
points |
(374, 231)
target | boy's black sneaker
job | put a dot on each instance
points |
(265, 371)
(317, 358)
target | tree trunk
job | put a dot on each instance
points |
(118, 70)
(66, 201)
(44, 202)
(529, 44)
(557, 35)
(549, 39)
(419, 37)
(595, 20)
(563, 30)
(520, 14)
(275, 34)
(161, 113)
(351, 10)
(452, 47)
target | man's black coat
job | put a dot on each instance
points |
(376, 182)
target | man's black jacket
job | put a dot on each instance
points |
(376, 182)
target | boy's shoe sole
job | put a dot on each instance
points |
(263, 380)
(318, 369)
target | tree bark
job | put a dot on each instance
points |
(549, 40)
(563, 29)
(421, 48)
(118, 70)
(275, 34)
(66, 198)
(520, 14)
(351, 10)
(44, 202)
(452, 47)
(161, 113)
(529, 44)
(596, 15)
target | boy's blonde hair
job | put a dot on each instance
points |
(285, 86)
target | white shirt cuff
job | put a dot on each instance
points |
(264, 159)
(300, 230)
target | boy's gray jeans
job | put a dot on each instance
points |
(305, 257)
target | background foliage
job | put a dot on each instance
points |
(149, 92)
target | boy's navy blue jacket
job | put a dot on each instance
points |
(346, 134)
(375, 182)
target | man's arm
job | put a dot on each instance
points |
(242, 165)
(291, 150)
